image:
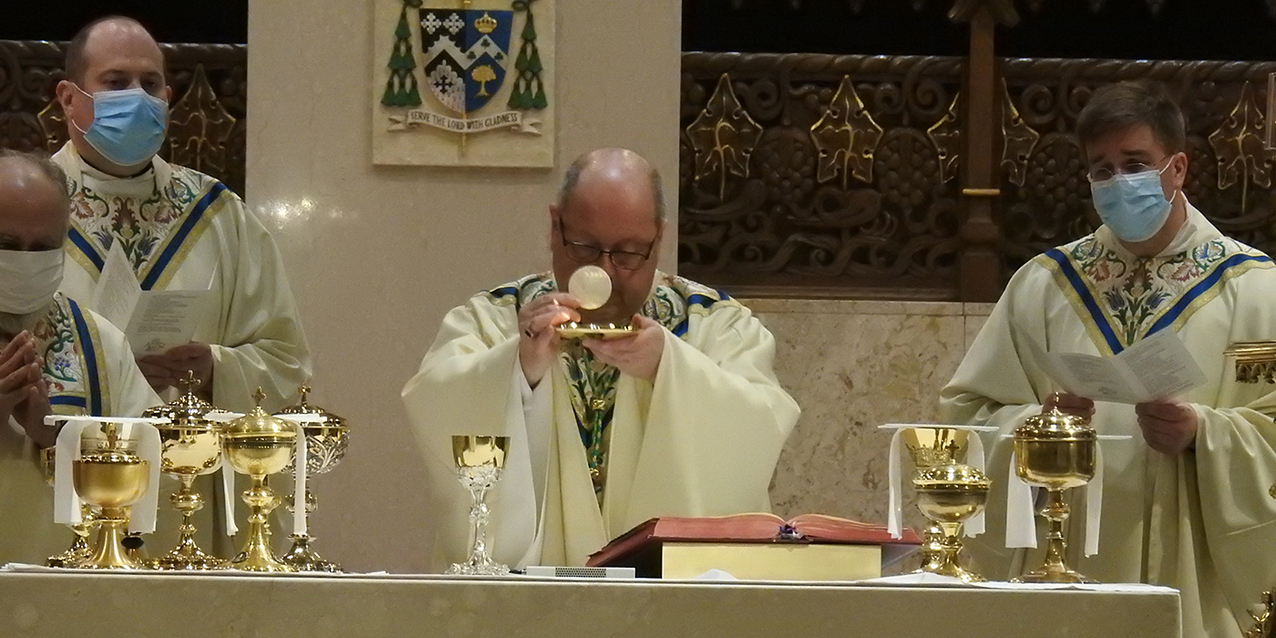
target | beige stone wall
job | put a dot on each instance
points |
(377, 255)
(852, 366)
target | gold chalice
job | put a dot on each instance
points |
(1056, 451)
(110, 476)
(948, 494)
(259, 445)
(79, 549)
(326, 442)
(479, 463)
(190, 446)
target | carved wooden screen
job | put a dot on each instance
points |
(820, 175)
(206, 128)
(910, 177)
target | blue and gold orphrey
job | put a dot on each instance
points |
(466, 54)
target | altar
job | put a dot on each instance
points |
(144, 605)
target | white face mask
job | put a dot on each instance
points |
(28, 279)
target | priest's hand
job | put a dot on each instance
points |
(537, 339)
(163, 371)
(24, 394)
(637, 356)
(30, 413)
(1169, 427)
(1069, 404)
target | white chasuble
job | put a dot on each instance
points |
(701, 440)
(1201, 521)
(183, 230)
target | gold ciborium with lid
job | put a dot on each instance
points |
(948, 494)
(111, 477)
(190, 446)
(327, 438)
(1057, 451)
(258, 444)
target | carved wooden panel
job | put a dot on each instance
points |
(1045, 194)
(817, 175)
(820, 175)
(206, 129)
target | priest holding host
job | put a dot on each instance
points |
(56, 356)
(177, 228)
(1185, 496)
(681, 417)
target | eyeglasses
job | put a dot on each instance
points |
(588, 253)
(1103, 174)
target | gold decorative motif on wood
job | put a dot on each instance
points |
(1018, 140)
(723, 137)
(198, 127)
(1238, 146)
(845, 138)
(946, 136)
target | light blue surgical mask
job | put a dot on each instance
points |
(128, 125)
(1133, 206)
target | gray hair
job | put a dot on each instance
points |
(45, 166)
(571, 177)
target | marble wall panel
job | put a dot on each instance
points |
(852, 366)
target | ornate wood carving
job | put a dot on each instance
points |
(805, 217)
(207, 114)
(845, 194)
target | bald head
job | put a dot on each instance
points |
(106, 33)
(619, 167)
(610, 213)
(35, 210)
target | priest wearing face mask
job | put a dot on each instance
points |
(683, 418)
(56, 357)
(179, 229)
(1185, 498)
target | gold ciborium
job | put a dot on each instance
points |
(259, 445)
(948, 494)
(326, 442)
(479, 463)
(110, 476)
(190, 446)
(1056, 451)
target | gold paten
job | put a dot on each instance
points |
(190, 446)
(79, 549)
(479, 463)
(259, 445)
(326, 443)
(574, 330)
(948, 493)
(1056, 451)
(111, 477)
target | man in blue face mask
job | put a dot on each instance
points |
(1185, 498)
(56, 357)
(179, 229)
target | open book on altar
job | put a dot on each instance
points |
(757, 547)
